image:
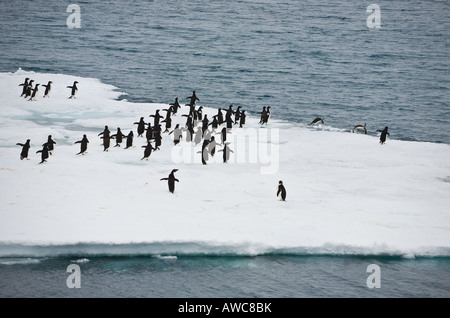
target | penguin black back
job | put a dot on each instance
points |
(171, 180)
(25, 148)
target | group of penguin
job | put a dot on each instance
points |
(154, 133)
(30, 92)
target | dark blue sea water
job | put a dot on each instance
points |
(303, 58)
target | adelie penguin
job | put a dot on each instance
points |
(84, 143)
(171, 180)
(193, 99)
(226, 152)
(44, 153)
(317, 121)
(25, 86)
(204, 152)
(157, 117)
(281, 193)
(25, 148)
(106, 136)
(148, 150)
(141, 127)
(50, 144)
(73, 89)
(34, 92)
(175, 106)
(384, 134)
(48, 88)
(177, 134)
(242, 119)
(29, 89)
(118, 136)
(360, 128)
(129, 140)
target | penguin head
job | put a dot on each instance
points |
(280, 182)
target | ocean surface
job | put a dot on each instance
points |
(305, 59)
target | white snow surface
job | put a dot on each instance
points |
(346, 193)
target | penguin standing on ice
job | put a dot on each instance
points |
(263, 115)
(237, 115)
(171, 180)
(212, 146)
(193, 99)
(281, 191)
(214, 123)
(158, 137)
(34, 92)
(148, 150)
(223, 133)
(219, 115)
(242, 119)
(48, 88)
(157, 117)
(198, 136)
(25, 147)
(204, 151)
(317, 121)
(175, 106)
(226, 152)
(106, 136)
(168, 121)
(25, 86)
(149, 132)
(177, 134)
(118, 137)
(141, 127)
(74, 89)
(44, 153)
(205, 123)
(130, 140)
(50, 144)
(84, 143)
(29, 89)
(384, 134)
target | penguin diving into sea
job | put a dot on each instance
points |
(317, 121)
(360, 128)
(281, 191)
(48, 87)
(25, 147)
(74, 89)
(171, 180)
